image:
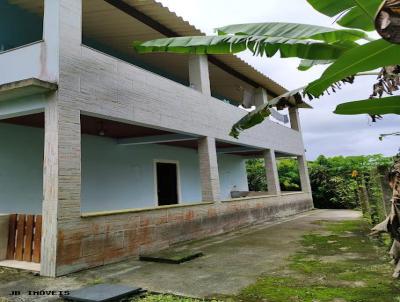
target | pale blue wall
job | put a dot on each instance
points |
(232, 175)
(120, 177)
(113, 177)
(21, 166)
(18, 27)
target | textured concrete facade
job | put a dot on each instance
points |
(99, 85)
(208, 164)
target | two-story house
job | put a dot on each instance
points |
(106, 154)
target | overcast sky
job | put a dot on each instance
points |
(324, 132)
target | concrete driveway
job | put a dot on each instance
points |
(231, 262)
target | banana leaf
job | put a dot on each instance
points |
(260, 46)
(388, 105)
(366, 57)
(352, 13)
(307, 64)
(260, 113)
(293, 31)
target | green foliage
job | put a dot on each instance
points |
(250, 120)
(289, 176)
(293, 31)
(315, 45)
(352, 13)
(376, 198)
(307, 64)
(370, 56)
(288, 170)
(258, 45)
(260, 114)
(169, 298)
(373, 107)
(343, 266)
(256, 175)
(334, 183)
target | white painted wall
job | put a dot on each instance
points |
(114, 177)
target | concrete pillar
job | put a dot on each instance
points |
(62, 145)
(248, 98)
(294, 118)
(302, 161)
(304, 175)
(260, 97)
(62, 31)
(61, 178)
(208, 163)
(271, 170)
(199, 75)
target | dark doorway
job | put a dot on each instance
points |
(167, 184)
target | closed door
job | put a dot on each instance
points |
(167, 184)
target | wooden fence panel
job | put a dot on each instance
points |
(24, 239)
(37, 240)
(11, 236)
(29, 228)
(19, 249)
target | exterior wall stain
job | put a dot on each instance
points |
(107, 239)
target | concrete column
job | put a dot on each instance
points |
(62, 30)
(199, 75)
(304, 175)
(260, 97)
(208, 163)
(271, 170)
(294, 118)
(62, 145)
(61, 178)
(248, 98)
(302, 161)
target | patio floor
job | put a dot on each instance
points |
(230, 262)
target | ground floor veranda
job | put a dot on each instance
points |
(141, 189)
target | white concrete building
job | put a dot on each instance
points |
(111, 149)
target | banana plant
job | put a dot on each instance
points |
(347, 51)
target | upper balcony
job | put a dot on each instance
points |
(20, 43)
(108, 29)
(25, 70)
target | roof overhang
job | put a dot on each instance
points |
(120, 22)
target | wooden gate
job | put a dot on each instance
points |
(24, 238)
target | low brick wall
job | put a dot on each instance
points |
(103, 238)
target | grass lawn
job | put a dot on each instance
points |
(342, 265)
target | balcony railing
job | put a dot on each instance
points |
(23, 63)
